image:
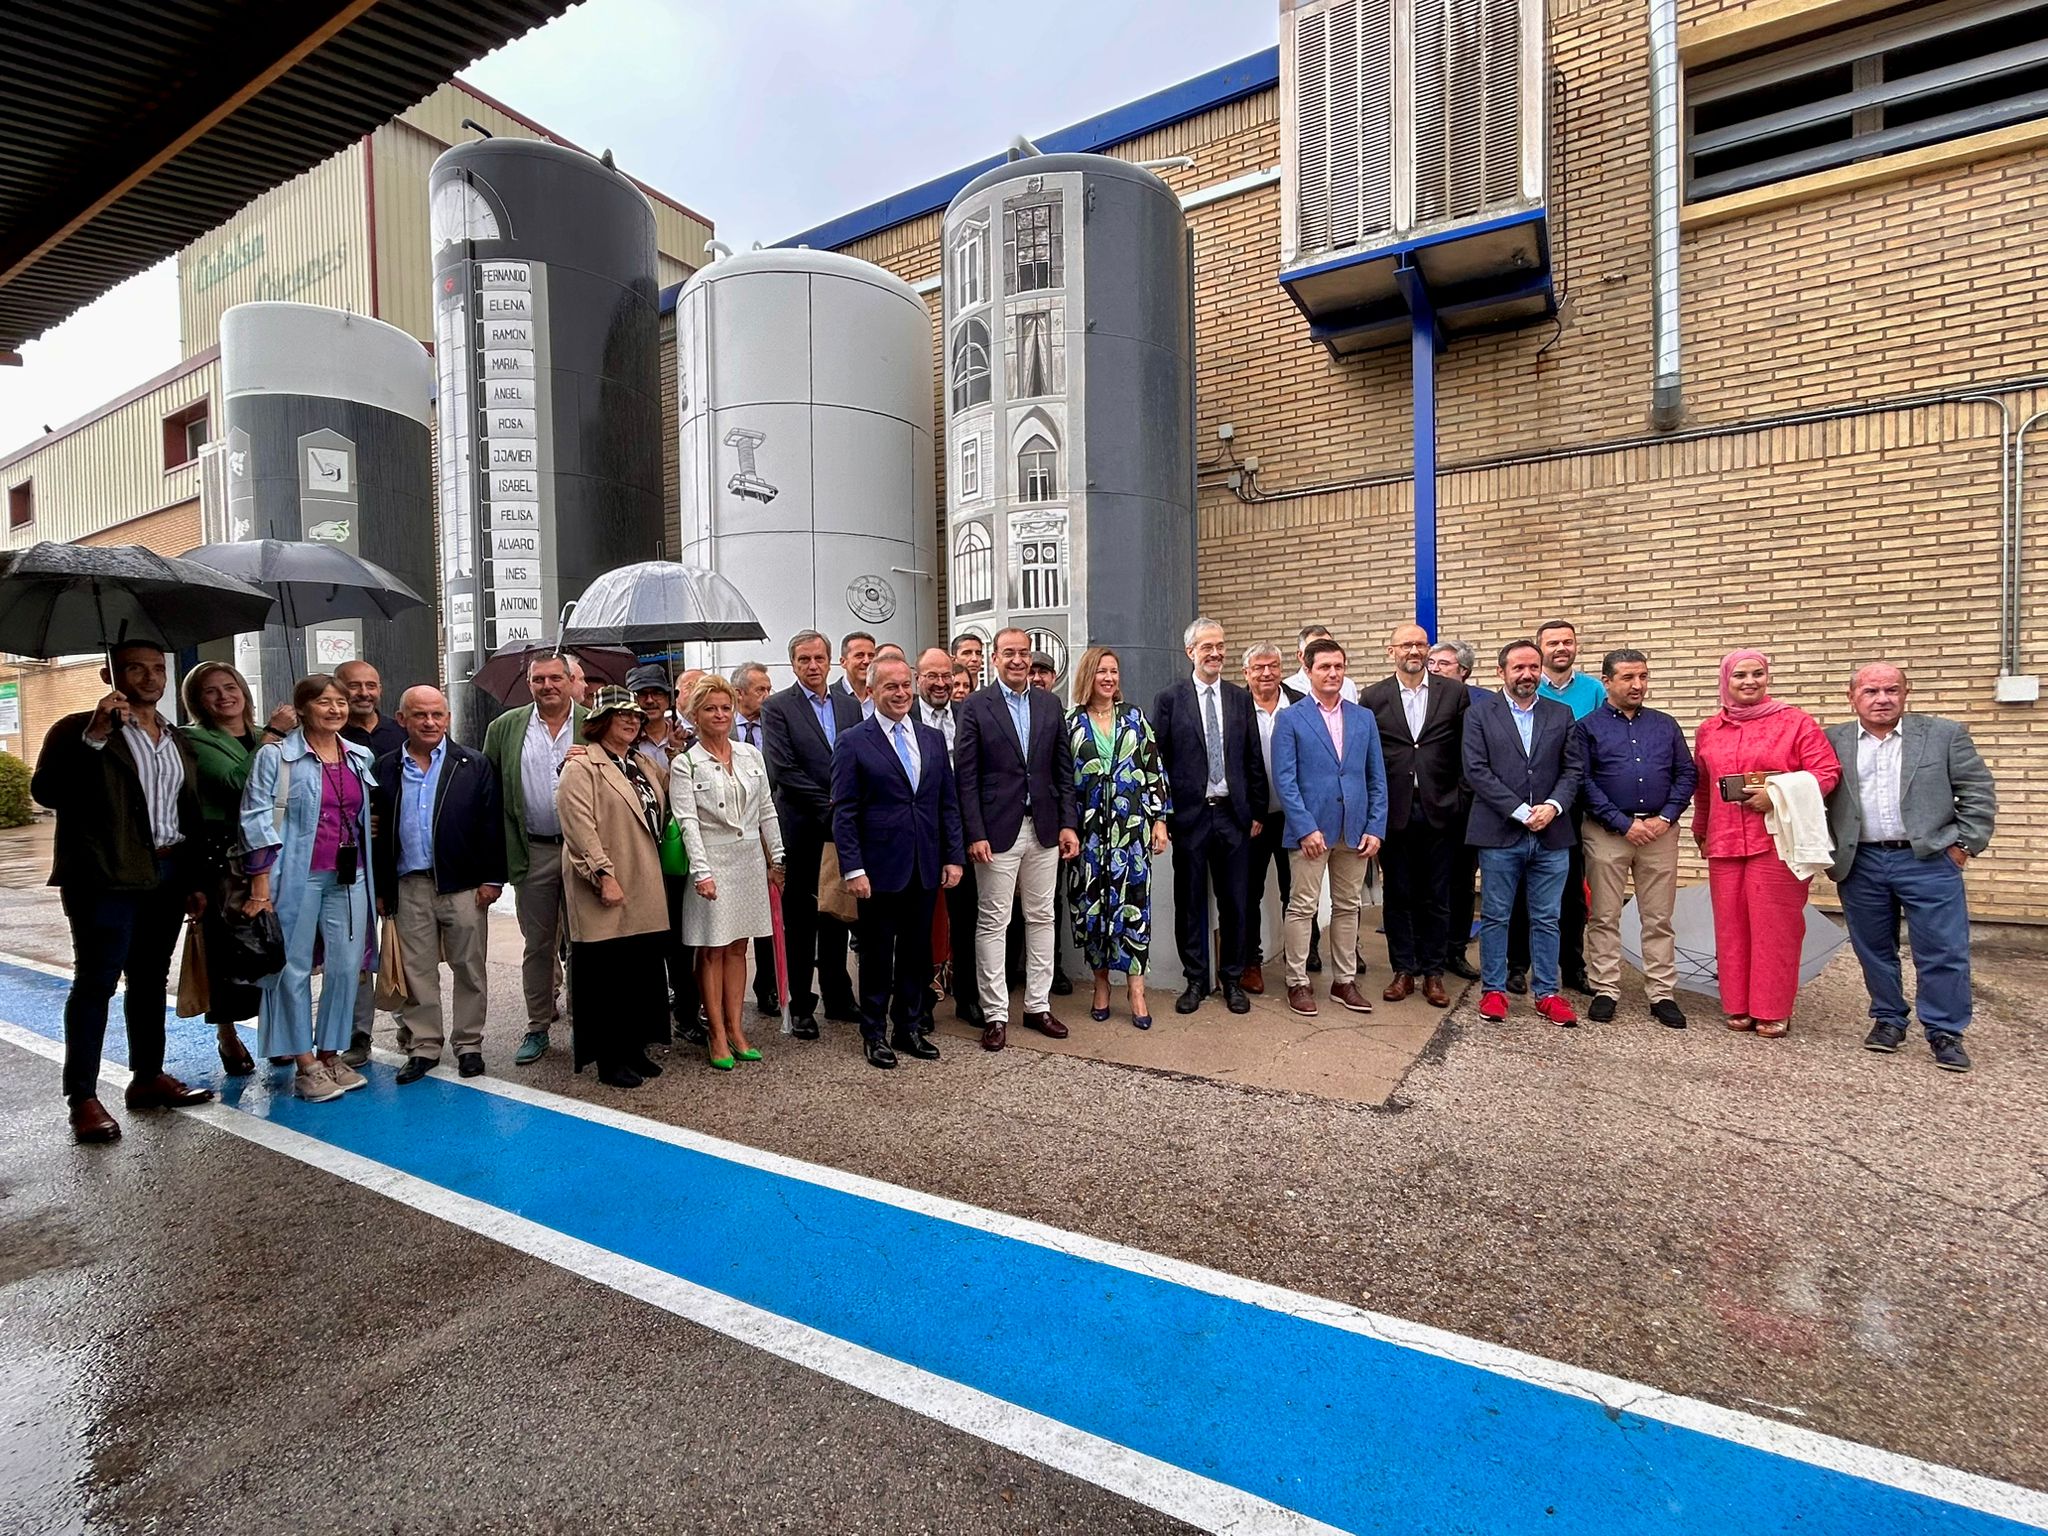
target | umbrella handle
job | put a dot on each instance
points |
(562, 622)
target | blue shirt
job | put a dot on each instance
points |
(821, 706)
(1525, 721)
(416, 809)
(1020, 716)
(1639, 767)
(1582, 695)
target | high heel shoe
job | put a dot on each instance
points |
(234, 1056)
(1141, 1020)
(1099, 1015)
(749, 1054)
(720, 1063)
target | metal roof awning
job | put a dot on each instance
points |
(130, 128)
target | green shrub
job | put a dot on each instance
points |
(15, 807)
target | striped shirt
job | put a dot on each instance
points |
(162, 772)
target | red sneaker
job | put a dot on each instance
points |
(1494, 1006)
(1557, 1010)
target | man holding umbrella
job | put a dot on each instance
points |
(124, 786)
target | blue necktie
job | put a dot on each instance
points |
(902, 734)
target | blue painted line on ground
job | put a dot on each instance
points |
(1357, 1432)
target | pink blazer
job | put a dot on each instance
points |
(1785, 742)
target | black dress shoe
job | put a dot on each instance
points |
(805, 1027)
(1577, 981)
(1061, 987)
(1602, 1011)
(417, 1067)
(644, 1066)
(847, 1012)
(470, 1064)
(911, 1043)
(1191, 999)
(618, 1077)
(1460, 967)
(879, 1054)
(768, 1008)
(1315, 962)
(970, 1014)
(1518, 981)
(693, 1033)
(1234, 997)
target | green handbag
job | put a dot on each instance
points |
(675, 855)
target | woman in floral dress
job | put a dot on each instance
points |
(1123, 802)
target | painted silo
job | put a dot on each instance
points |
(1070, 462)
(805, 400)
(547, 343)
(327, 438)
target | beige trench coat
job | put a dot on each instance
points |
(602, 828)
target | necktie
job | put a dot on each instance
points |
(902, 734)
(1214, 731)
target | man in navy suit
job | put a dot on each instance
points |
(798, 728)
(1524, 762)
(1015, 767)
(1333, 791)
(896, 820)
(1209, 742)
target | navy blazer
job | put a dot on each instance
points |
(994, 779)
(800, 758)
(1347, 801)
(469, 822)
(1425, 775)
(1184, 748)
(894, 835)
(1504, 778)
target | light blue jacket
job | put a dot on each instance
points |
(293, 841)
(1345, 802)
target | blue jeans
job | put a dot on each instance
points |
(1885, 883)
(1502, 872)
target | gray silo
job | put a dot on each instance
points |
(327, 440)
(1070, 462)
(550, 390)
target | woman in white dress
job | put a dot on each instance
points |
(718, 794)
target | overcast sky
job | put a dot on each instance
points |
(766, 116)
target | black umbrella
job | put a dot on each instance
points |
(503, 677)
(313, 581)
(67, 599)
(657, 603)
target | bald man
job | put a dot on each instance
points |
(439, 843)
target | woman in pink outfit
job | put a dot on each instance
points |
(1759, 904)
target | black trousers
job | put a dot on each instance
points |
(1210, 852)
(895, 929)
(624, 994)
(116, 934)
(1571, 916)
(963, 911)
(1415, 864)
(764, 975)
(682, 958)
(815, 944)
(1464, 895)
(1259, 852)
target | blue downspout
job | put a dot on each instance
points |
(1425, 339)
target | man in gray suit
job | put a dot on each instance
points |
(1915, 804)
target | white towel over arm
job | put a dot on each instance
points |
(1798, 820)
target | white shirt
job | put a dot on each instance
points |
(1300, 684)
(940, 720)
(541, 755)
(1414, 704)
(162, 773)
(1218, 786)
(1878, 759)
(1267, 719)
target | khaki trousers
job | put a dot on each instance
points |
(1345, 870)
(542, 910)
(451, 928)
(1611, 860)
(1028, 872)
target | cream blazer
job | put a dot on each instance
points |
(716, 808)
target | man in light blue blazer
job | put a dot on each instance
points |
(1332, 783)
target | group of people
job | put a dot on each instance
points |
(941, 827)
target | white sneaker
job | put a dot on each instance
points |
(345, 1076)
(315, 1084)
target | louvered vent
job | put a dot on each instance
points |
(1345, 106)
(1467, 108)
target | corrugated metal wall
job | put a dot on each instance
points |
(305, 241)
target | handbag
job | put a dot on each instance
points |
(394, 991)
(834, 899)
(195, 995)
(255, 949)
(675, 853)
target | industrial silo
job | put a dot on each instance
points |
(546, 329)
(327, 440)
(806, 444)
(1070, 463)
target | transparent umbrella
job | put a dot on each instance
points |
(1692, 924)
(660, 603)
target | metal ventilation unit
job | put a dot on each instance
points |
(1413, 148)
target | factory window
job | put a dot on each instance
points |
(974, 570)
(970, 468)
(1037, 471)
(1032, 243)
(1039, 578)
(1036, 338)
(970, 265)
(184, 435)
(1924, 74)
(970, 366)
(21, 504)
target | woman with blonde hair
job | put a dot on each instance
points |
(1123, 800)
(719, 796)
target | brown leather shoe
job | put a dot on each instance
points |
(1302, 1000)
(1254, 980)
(164, 1092)
(1046, 1025)
(994, 1038)
(1433, 992)
(1347, 994)
(90, 1122)
(1401, 986)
